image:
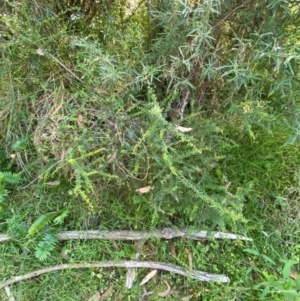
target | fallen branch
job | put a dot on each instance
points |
(198, 275)
(167, 233)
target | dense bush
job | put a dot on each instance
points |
(228, 71)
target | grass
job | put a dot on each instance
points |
(275, 237)
(59, 284)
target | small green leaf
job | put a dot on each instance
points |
(291, 295)
(156, 158)
(20, 145)
(60, 219)
(269, 277)
(40, 223)
(287, 268)
(291, 140)
(297, 281)
(251, 251)
(268, 259)
(219, 173)
(265, 292)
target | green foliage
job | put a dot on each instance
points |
(45, 247)
(196, 99)
(286, 285)
(5, 162)
(6, 177)
(9, 177)
(41, 222)
(60, 218)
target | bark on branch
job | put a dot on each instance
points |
(167, 233)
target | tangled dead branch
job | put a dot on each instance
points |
(198, 275)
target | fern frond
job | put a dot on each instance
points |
(60, 218)
(42, 252)
(3, 194)
(41, 222)
(10, 177)
(50, 239)
(45, 247)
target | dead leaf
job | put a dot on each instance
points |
(173, 194)
(175, 292)
(172, 249)
(148, 277)
(79, 121)
(146, 294)
(95, 297)
(187, 298)
(64, 254)
(190, 257)
(227, 185)
(145, 189)
(107, 292)
(116, 246)
(62, 156)
(54, 183)
(112, 157)
(183, 129)
(40, 51)
(166, 292)
(56, 110)
(293, 276)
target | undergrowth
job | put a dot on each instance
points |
(195, 103)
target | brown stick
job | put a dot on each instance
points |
(198, 275)
(167, 233)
